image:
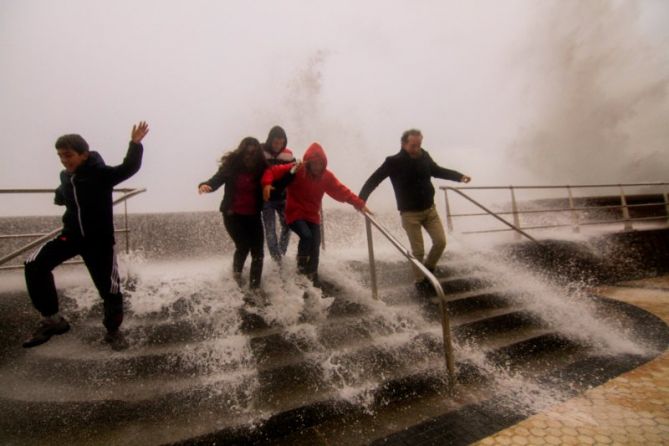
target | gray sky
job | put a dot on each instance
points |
(511, 92)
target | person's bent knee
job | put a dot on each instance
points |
(439, 244)
(419, 255)
(33, 267)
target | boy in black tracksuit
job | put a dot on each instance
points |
(88, 230)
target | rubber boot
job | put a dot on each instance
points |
(237, 276)
(302, 264)
(256, 272)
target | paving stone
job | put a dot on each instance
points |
(629, 409)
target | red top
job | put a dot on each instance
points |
(305, 193)
(245, 199)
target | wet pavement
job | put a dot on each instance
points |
(630, 409)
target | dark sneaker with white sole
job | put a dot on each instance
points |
(47, 328)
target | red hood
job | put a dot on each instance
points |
(315, 151)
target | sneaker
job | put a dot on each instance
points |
(47, 328)
(116, 340)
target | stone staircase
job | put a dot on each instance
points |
(183, 380)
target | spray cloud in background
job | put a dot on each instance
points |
(506, 92)
(598, 95)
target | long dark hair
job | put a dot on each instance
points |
(233, 161)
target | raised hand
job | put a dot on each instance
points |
(139, 131)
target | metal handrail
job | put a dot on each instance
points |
(127, 194)
(445, 319)
(558, 186)
(491, 213)
(624, 207)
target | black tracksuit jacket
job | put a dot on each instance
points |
(87, 195)
(411, 180)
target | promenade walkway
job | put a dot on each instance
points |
(631, 409)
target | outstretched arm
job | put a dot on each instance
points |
(133, 158)
(275, 173)
(213, 183)
(335, 189)
(447, 174)
(374, 180)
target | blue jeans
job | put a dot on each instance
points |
(308, 249)
(277, 247)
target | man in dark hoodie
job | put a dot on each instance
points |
(410, 173)
(276, 153)
(88, 230)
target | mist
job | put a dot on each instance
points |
(598, 95)
(507, 92)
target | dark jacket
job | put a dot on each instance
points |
(411, 180)
(283, 156)
(87, 195)
(225, 176)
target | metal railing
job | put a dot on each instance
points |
(42, 237)
(445, 319)
(575, 211)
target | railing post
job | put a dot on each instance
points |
(449, 219)
(372, 261)
(446, 328)
(626, 211)
(127, 229)
(514, 209)
(322, 229)
(448, 344)
(574, 214)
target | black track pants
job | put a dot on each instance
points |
(100, 259)
(246, 232)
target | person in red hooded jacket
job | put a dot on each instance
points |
(306, 183)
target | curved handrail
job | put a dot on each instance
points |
(445, 319)
(127, 194)
(485, 209)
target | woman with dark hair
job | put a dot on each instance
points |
(241, 170)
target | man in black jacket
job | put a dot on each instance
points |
(410, 173)
(88, 230)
